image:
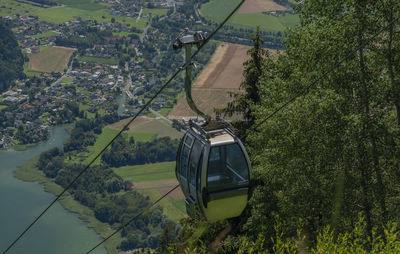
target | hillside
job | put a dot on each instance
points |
(323, 139)
(223, 74)
(11, 58)
(267, 14)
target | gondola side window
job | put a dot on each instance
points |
(227, 168)
(194, 161)
(185, 156)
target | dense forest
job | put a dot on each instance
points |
(326, 167)
(85, 37)
(11, 58)
(111, 199)
(123, 152)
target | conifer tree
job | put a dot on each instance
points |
(243, 102)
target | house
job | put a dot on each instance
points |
(29, 125)
(35, 49)
(10, 99)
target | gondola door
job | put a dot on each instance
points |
(194, 164)
(183, 163)
(227, 176)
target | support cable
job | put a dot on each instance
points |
(301, 92)
(118, 134)
(334, 67)
(133, 218)
(92, 161)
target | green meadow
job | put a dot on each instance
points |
(90, 59)
(45, 34)
(155, 12)
(147, 172)
(217, 10)
(107, 135)
(12, 7)
(60, 15)
(171, 208)
(162, 128)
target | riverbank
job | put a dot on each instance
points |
(21, 147)
(29, 173)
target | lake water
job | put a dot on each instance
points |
(58, 231)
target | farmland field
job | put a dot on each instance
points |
(88, 5)
(148, 125)
(147, 172)
(45, 34)
(53, 59)
(250, 14)
(154, 180)
(107, 135)
(222, 74)
(257, 6)
(11, 8)
(103, 60)
(155, 11)
(60, 15)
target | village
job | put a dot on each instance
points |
(84, 88)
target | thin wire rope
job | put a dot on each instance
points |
(118, 134)
(158, 200)
(93, 160)
(301, 92)
(334, 67)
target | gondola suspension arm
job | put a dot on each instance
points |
(187, 40)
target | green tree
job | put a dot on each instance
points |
(243, 102)
(332, 152)
(11, 58)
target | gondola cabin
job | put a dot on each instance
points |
(213, 170)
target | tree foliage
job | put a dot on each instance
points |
(11, 58)
(245, 100)
(333, 152)
(124, 153)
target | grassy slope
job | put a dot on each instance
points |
(52, 59)
(28, 172)
(85, 9)
(147, 172)
(90, 59)
(13, 7)
(217, 10)
(106, 136)
(45, 34)
(67, 80)
(174, 209)
(155, 12)
(160, 127)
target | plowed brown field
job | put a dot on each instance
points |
(222, 74)
(257, 6)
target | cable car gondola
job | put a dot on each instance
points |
(212, 165)
(213, 170)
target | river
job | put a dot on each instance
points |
(58, 231)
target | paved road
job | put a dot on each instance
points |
(144, 33)
(127, 88)
(65, 74)
(158, 115)
(140, 13)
